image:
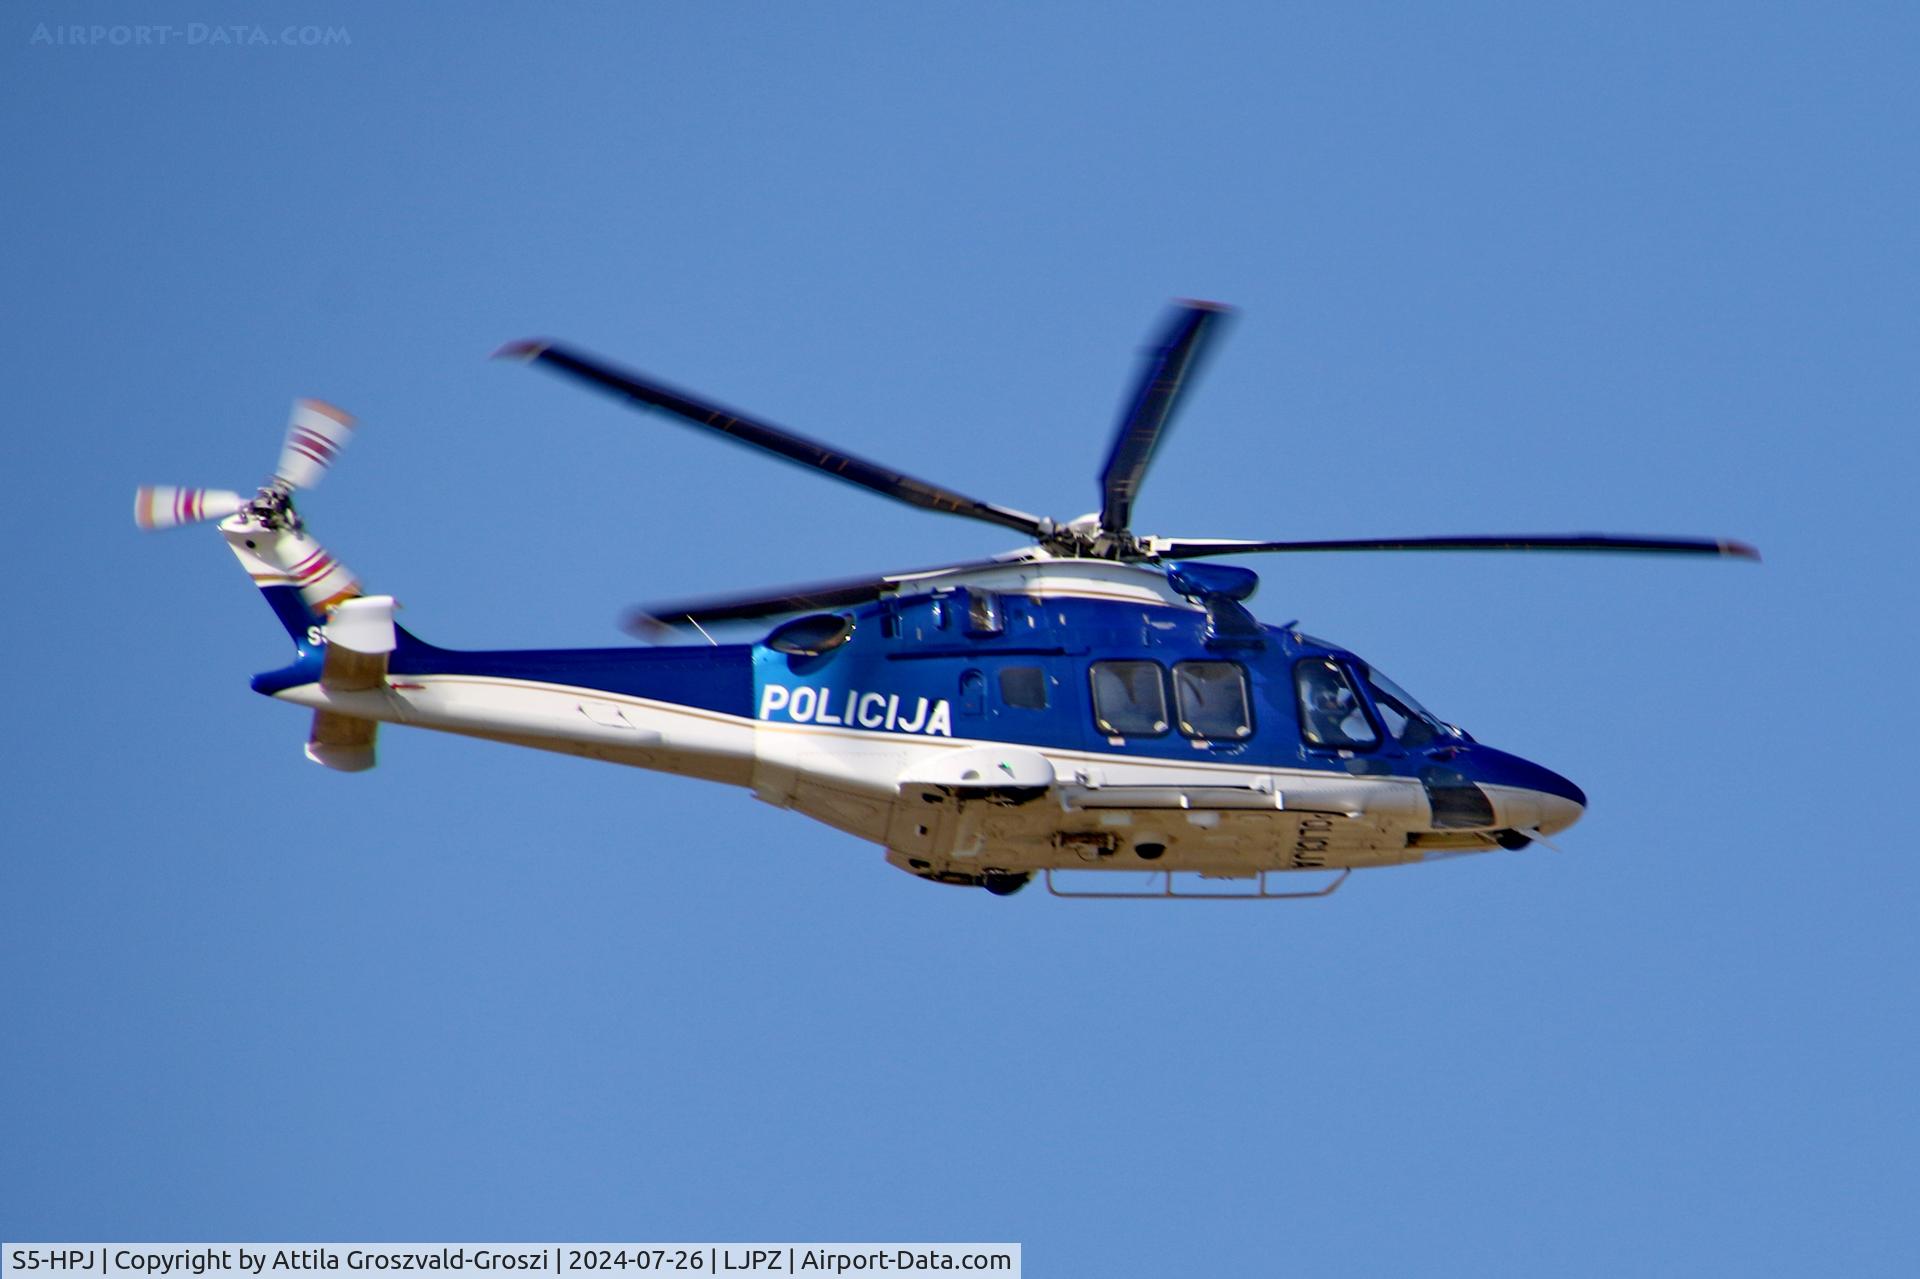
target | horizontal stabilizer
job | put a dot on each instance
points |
(364, 625)
(359, 635)
(342, 742)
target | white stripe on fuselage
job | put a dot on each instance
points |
(537, 709)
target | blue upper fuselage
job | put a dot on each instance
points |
(1033, 675)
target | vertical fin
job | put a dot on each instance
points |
(300, 578)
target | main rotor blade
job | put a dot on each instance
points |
(1200, 548)
(649, 620)
(1169, 365)
(795, 448)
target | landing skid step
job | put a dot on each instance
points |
(1167, 889)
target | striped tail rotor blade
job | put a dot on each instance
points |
(164, 506)
(315, 435)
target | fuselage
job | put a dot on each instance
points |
(1044, 714)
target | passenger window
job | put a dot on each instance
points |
(1024, 687)
(1330, 713)
(1212, 699)
(1129, 699)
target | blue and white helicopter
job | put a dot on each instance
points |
(1098, 699)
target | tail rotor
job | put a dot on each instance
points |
(316, 433)
(300, 578)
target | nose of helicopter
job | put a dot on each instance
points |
(1529, 798)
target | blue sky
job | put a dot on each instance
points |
(1500, 267)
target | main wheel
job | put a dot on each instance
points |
(1003, 883)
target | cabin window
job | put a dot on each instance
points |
(1212, 699)
(1129, 699)
(1024, 687)
(1330, 711)
(983, 612)
(811, 636)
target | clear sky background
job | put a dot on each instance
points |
(1501, 267)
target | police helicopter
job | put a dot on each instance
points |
(1097, 699)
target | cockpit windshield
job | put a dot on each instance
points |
(1406, 721)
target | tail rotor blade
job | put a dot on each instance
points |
(315, 435)
(164, 506)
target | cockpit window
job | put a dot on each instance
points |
(1330, 712)
(1212, 699)
(1129, 699)
(1407, 721)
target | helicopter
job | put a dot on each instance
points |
(1097, 699)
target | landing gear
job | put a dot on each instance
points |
(1512, 840)
(1004, 883)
